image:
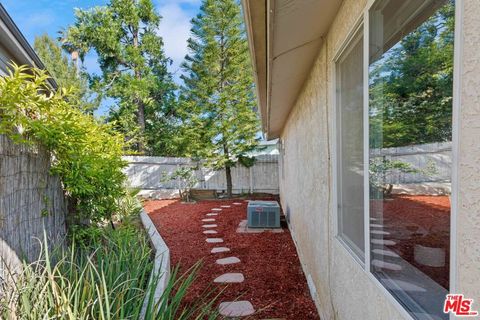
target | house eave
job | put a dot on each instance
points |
(284, 37)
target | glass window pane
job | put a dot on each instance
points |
(349, 77)
(410, 125)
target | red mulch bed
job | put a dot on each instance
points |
(419, 212)
(274, 280)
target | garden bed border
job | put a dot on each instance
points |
(161, 261)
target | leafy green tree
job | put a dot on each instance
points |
(134, 67)
(66, 73)
(217, 100)
(411, 90)
(86, 154)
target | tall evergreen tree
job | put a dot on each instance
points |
(217, 99)
(411, 86)
(134, 67)
(65, 72)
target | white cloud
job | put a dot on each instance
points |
(175, 29)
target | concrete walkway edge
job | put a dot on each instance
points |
(161, 263)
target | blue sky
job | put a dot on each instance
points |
(36, 17)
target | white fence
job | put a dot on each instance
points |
(147, 173)
(437, 156)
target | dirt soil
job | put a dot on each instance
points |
(274, 281)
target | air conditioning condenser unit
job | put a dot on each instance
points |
(263, 214)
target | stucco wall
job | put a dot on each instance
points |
(468, 208)
(343, 289)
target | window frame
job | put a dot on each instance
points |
(362, 24)
(348, 44)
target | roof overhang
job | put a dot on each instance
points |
(284, 38)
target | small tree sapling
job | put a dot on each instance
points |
(186, 178)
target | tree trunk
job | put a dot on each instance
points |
(141, 124)
(139, 102)
(228, 174)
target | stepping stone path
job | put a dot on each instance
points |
(209, 226)
(214, 240)
(220, 250)
(236, 309)
(229, 260)
(230, 278)
(210, 232)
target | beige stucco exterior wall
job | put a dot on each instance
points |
(468, 208)
(342, 286)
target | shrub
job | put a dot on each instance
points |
(186, 179)
(86, 154)
(108, 280)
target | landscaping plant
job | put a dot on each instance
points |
(107, 280)
(186, 179)
(382, 170)
(86, 154)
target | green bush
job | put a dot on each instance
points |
(108, 280)
(86, 154)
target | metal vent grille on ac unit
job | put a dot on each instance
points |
(263, 214)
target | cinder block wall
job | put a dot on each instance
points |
(31, 202)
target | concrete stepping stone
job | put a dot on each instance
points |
(214, 240)
(208, 220)
(237, 203)
(210, 232)
(379, 232)
(229, 260)
(383, 242)
(212, 214)
(230, 278)
(220, 250)
(225, 206)
(386, 265)
(216, 209)
(387, 253)
(236, 309)
(209, 226)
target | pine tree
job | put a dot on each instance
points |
(217, 99)
(65, 72)
(134, 67)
